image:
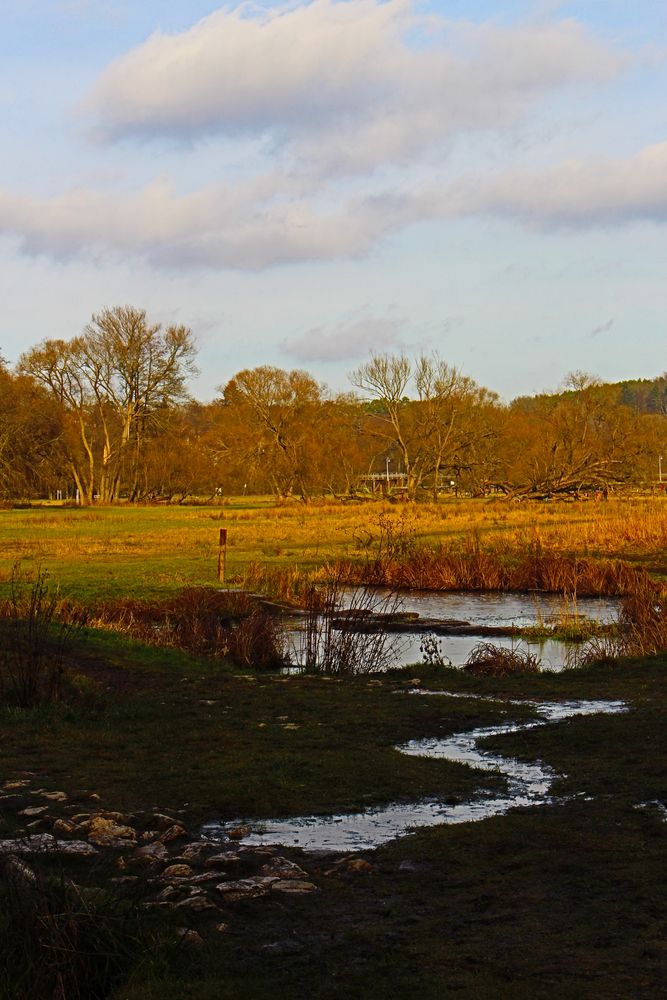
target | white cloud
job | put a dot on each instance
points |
(575, 194)
(340, 85)
(273, 218)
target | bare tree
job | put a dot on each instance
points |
(113, 381)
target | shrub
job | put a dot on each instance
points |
(487, 660)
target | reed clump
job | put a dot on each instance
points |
(487, 660)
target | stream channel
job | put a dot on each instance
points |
(528, 784)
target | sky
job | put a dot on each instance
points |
(307, 184)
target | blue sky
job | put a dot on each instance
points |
(305, 184)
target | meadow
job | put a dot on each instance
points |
(101, 553)
(566, 900)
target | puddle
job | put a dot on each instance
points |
(527, 785)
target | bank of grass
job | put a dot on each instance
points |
(102, 553)
(564, 901)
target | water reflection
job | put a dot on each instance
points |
(528, 784)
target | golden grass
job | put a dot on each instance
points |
(154, 549)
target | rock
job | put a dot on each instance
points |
(169, 892)
(358, 865)
(54, 796)
(14, 786)
(152, 852)
(43, 843)
(239, 832)
(283, 869)
(175, 832)
(34, 811)
(204, 877)
(222, 860)
(246, 888)
(189, 937)
(107, 832)
(292, 887)
(65, 827)
(198, 904)
(194, 851)
(223, 928)
(149, 835)
(163, 822)
(177, 871)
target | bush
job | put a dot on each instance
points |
(487, 660)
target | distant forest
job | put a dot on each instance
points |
(106, 417)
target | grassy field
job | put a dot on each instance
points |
(150, 551)
(560, 901)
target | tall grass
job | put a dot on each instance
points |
(61, 941)
(36, 629)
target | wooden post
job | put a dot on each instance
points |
(222, 555)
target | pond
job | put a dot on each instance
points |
(528, 784)
(477, 613)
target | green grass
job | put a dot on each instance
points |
(564, 901)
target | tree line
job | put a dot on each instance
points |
(106, 416)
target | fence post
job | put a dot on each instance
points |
(222, 555)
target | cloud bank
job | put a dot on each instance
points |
(353, 106)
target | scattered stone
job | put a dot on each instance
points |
(283, 869)
(175, 832)
(223, 928)
(177, 871)
(65, 827)
(204, 877)
(152, 852)
(193, 852)
(189, 937)
(246, 888)
(125, 880)
(43, 843)
(239, 832)
(222, 860)
(106, 831)
(38, 824)
(293, 887)
(162, 821)
(169, 892)
(14, 786)
(148, 835)
(198, 904)
(54, 796)
(291, 725)
(34, 811)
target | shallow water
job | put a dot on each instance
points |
(495, 608)
(527, 785)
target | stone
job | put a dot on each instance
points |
(239, 832)
(283, 869)
(162, 821)
(189, 937)
(152, 852)
(245, 888)
(292, 887)
(43, 843)
(222, 860)
(194, 851)
(65, 827)
(169, 892)
(198, 904)
(14, 786)
(31, 811)
(204, 877)
(107, 832)
(175, 832)
(177, 871)
(54, 796)
(148, 835)
(223, 928)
